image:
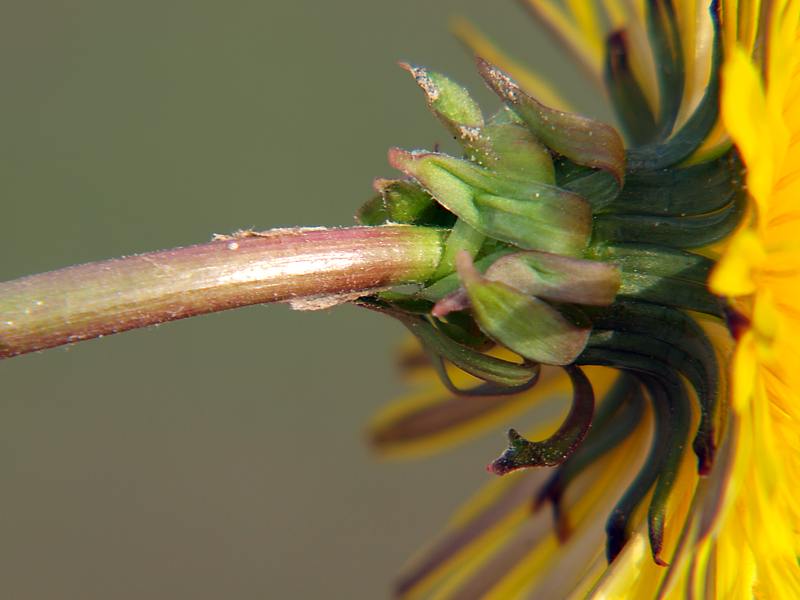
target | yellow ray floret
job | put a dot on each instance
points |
(761, 268)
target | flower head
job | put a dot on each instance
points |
(577, 264)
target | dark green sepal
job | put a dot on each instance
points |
(665, 352)
(689, 191)
(485, 367)
(679, 418)
(457, 342)
(675, 339)
(584, 141)
(599, 188)
(677, 360)
(485, 389)
(618, 522)
(672, 419)
(660, 261)
(616, 418)
(630, 104)
(522, 453)
(665, 41)
(678, 232)
(528, 326)
(392, 301)
(660, 275)
(462, 328)
(696, 129)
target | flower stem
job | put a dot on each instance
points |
(317, 266)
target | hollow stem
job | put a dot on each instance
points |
(313, 267)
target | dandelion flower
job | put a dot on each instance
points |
(629, 291)
(582, 269)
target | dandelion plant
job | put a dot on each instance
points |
(647, 268)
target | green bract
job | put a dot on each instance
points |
(558, 278)
(526, 325)
(529, 215)
(568, 248)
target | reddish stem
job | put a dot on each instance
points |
(318, 266)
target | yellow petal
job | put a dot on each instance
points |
(744, 371)
(734, 273)
(744, 110)
(765, 322)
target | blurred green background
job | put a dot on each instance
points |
(223, 456)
